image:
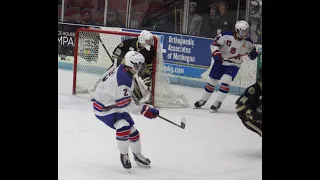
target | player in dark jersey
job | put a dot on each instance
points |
(142, 44)
(249, 106)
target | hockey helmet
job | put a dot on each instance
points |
(134, 60)
(242, 29)
(145, 39)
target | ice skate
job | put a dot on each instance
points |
(199, 103)
(125, 160)
(141, 160)
(215, 107)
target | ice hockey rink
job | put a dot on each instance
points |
(214, 146)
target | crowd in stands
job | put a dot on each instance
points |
(207, 18)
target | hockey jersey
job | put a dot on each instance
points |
(114, 94)
(250, 101)
(230, 48)
(132, 45)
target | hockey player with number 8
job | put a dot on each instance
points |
(228, 50)
(112, 102)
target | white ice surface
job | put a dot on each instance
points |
(214, 146)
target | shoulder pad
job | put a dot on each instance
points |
(249, 40)
(123, 76)
(227, 33)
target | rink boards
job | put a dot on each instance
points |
(187, 59)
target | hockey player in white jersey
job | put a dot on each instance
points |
(112, 103)
(228, 50)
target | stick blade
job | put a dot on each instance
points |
(183, 122)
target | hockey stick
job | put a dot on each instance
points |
(238, 56)
(92, 88)
(183, 119)
(183, 122)
(104, 47)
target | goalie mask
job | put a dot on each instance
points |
(242, 29)
(145, 39)
(134, 60)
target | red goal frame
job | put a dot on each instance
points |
(115, 33)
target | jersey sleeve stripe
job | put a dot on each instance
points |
(215, 43)
(121, 99)
(99, 107)
(123, 103)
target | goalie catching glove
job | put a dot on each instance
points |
(149, 112)
(142, 92)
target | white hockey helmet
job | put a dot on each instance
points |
(134, 60)
(145, 39)
(242, 29)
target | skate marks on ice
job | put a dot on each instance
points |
(99, 171)
(220, 111)
(74, 102)
(213, 146)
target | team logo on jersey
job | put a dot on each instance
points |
(251, 90)
(244, 45)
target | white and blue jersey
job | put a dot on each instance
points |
(114, 94)
(229, 47)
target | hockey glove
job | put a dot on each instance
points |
(149, 112)
(253, 54)
(217, 56)
(150, 67)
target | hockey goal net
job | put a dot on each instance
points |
(92, 52)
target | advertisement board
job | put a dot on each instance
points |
(187, 59)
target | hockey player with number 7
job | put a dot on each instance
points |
(112, 103)
(228, 50)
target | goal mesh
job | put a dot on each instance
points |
(91, 60)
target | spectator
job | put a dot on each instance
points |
(166, 25)
(113, 19)
(87, 19)
(195, 20)
(74, 18)
(210, 23)
(227, 21)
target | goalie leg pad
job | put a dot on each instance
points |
(141, 90)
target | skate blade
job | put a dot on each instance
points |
(142, 165)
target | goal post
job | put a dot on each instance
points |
(92, 51)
